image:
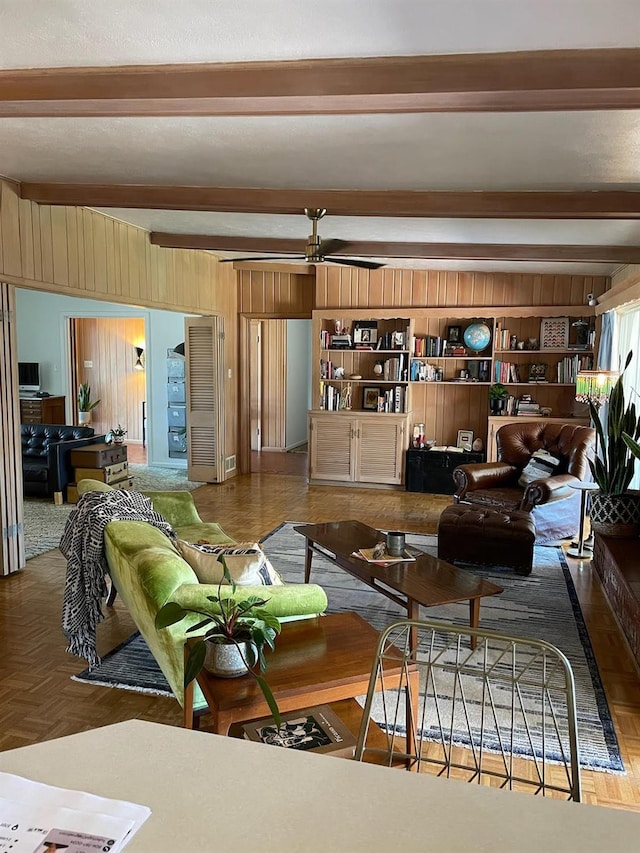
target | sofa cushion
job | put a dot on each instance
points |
(35, 470)
(246, 561)
(541, 465)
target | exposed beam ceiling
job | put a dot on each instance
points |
(602, 204)
(593, 79)
(444, 251)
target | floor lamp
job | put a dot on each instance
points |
(593, 386)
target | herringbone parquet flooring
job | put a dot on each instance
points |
(39, 701)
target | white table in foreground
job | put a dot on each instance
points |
(209, 792)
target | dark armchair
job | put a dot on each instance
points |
(46, 463)
(555, 506)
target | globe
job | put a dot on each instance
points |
(477, 336)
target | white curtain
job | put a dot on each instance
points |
(628, 338)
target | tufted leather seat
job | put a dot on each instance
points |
(495, 484)
(487, 537)
(46, 467)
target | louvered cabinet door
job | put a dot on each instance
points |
(204, 356)
(380, 444)
(331, 447)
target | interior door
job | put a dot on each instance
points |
(204, 356)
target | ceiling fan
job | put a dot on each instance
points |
(316, 251)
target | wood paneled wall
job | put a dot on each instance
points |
(81, 252)
(273, 342)
(343, 287)
(108, 342)
(276, 294)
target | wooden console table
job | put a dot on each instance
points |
(42, 410)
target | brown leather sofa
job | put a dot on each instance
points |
(555, 506)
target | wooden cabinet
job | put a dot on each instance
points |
(357, 447)
(42, 410)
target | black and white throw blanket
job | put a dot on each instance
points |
(82, 544)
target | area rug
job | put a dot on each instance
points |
(543, 605)
(44, 521)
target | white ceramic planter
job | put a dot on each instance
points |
(225, 660)
(84, 418)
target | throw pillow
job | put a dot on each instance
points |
(541, 465)
(246, 561)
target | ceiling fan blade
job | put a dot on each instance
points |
(264, 258)
(365, 265)
(327, 247)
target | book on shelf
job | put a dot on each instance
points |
(370, 555)
(316, 729)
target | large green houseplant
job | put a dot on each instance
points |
(243, 627)
(615, 511)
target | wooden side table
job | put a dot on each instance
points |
(316, 661)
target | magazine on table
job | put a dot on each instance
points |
(315, 729)
(381, 557)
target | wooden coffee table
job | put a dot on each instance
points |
(316, 661)
(428, 581)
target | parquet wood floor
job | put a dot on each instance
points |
(39, 701)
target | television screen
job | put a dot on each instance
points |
(29, 376)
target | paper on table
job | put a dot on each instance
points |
(32, 813)
(385, 559)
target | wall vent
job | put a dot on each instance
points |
(230, 463)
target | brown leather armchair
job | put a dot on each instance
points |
(555, 506)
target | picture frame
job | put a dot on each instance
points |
(365, 332)
(370, 396)
(554, 333)
(465, 439)
(454, 334)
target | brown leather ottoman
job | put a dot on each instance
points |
(489, 537)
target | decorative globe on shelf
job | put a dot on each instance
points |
(477, 336)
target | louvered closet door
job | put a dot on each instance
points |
(331, 447)
(204, 355)
(380, 442)
(11, 502)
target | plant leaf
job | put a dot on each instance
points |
(195, 661)
(169, 614)
(268, 695)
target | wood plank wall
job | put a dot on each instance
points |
(109, 343)
(445, 409)
(275, 294)
(273, 342)
(342, 287)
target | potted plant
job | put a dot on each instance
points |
(615, 511)
(85, 404)
(498, 393)
(235, 639)
(116, 435)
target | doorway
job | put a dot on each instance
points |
(278, 381)
(104, 353)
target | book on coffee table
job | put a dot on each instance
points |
(384, 560)
(315, 729)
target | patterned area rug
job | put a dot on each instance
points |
(543, 605)
(44, 521)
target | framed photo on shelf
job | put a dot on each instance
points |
(554, 333)
(370, 396)
(365, 332)
(454, 334)
(465, 439)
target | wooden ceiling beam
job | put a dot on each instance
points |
(591, 204)
(433, 251)
(592, 79)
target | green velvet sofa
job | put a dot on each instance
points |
(148, 571)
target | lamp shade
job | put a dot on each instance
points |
(595, 386)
